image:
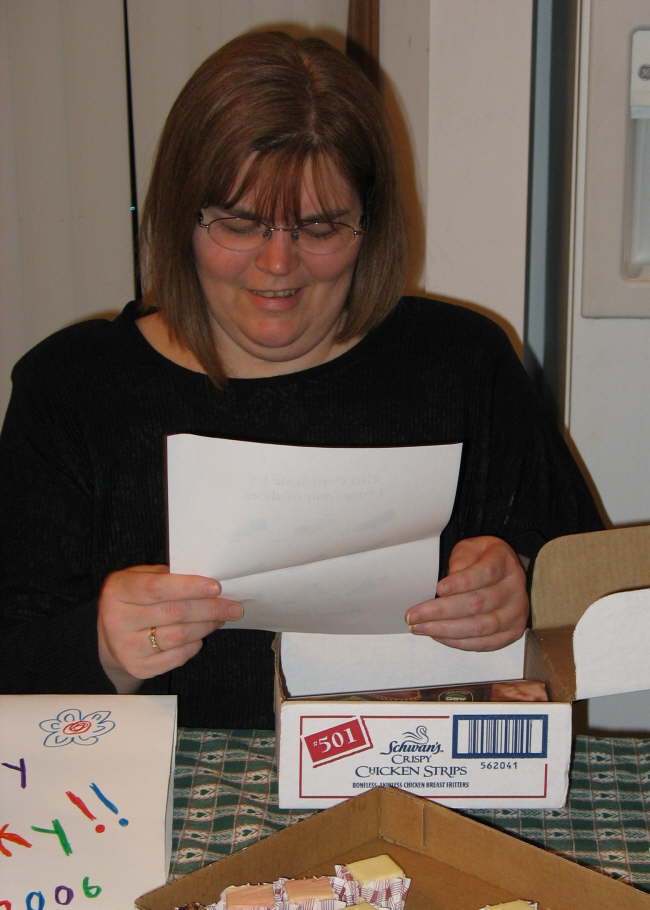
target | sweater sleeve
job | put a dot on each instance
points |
(518, 479)
(47, 602)
(532, 474)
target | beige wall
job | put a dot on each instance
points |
(459, 91)
(478, 135)
(64, 189)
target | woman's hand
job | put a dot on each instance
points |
(481, 604)
(180, 609)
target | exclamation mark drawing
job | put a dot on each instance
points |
(80, 804)
(109, 805)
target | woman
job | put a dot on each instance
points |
(274, 255)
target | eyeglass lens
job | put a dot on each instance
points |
(242, 234)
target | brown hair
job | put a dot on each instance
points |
(273, 102)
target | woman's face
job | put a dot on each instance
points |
(277, 309)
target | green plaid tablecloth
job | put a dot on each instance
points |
(225, 798)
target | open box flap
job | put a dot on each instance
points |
(549, 656)
(572, 572)
(610, 645)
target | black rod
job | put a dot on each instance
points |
(132, 166)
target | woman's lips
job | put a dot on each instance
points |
(289, 292)
(281, 299)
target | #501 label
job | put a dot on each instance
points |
(335, 742)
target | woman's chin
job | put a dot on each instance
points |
(271, 355)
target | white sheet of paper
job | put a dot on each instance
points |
(325, 664)
(311, 539)
(95, 773)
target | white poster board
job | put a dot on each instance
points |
(85, 799)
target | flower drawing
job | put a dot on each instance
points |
(70, 726)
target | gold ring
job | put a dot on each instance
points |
(153, 639)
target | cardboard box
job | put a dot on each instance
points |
(454, 862)
(585, 641)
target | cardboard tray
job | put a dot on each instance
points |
(455, 863)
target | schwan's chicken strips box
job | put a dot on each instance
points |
(454, 744)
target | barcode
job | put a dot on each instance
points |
(500, 736)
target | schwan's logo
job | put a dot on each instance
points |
(414, 741)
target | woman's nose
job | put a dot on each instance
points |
(278, 255)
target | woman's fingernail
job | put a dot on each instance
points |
(412, 621)
(235, 611)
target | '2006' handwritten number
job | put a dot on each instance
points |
(63, 896)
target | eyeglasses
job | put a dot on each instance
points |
(243, 235)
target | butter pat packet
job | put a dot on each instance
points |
(281, 900)
(315, 893)
(353, 884)
(268, 896)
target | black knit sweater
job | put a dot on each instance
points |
(82, 487)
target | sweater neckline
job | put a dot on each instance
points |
(131, 313)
